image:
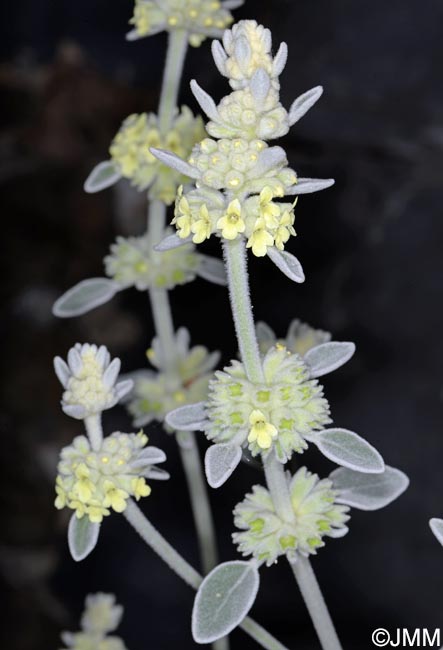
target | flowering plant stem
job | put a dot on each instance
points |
(236, 266)
(178, 564)
(162, 316)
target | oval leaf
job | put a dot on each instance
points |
(220, 462)
(170, 242)
(437, 528)
(102, 176)
(303, 103)
(86, 295)
(348, 449)
(288, 264)
(327, 357)
(223, 599)
(82, 537)
(309, 185)
(212, 270)
(191, 417)
(368, 491)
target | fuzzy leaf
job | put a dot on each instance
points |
(309, 185)
(102, 176)
(437, 528)
(170, 242)
(187, 418)
(220, 462)
(84, 296)
(212, 270)
(288, 264)
(303, 103)
(368, 491)
(223, 600)
(174, 162)
(280, 60)
(205, 101)
(219, 56)
(82, 537)
(269, 158)
(260, 85)
(327, 357)
(348, 449)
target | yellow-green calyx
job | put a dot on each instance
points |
(95, 482)
(132, 262)
(130, 151)
(316, 515)
(156, 393)
(200, 18)
(277, 414)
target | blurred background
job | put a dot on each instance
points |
(371, 248)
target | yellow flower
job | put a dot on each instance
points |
(202, 227)
(114, 497)
(268, 210)
(231, 224)
(261, 430)
(96, 513)
(83, 487)
(260, 239)
(140, 488)
(60, 501)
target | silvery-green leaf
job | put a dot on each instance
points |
(149, 456)
(348, 449)
(213, 270)
(223, 600)
(303, 103)
(260, 85)
(62, 371)
(280, 60)
(337, 533)
(437, 528)
(265, 335)
(327, 357)
(102, 176)
(267, 159)
(205, 101)
(187, 418)
(242, 52)
(368, 491)
(232, 4)
(84, 296)
(219, 56)
(287, 263)
(82, 537)
(170, 242)
(309, 185)
(174, 162)
(220, 462)
(155, 473)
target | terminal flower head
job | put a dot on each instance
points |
(89, 379)
(94, 482)
(317, 515)
(101, 616)
(200, 18)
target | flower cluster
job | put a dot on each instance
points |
(92, 482)
(156, 393)
(130, 151)
(300, 337)
(89, 379)
(316, 515)
(278, 414)
(132, 262)
(239, 178)
(200, 18)
(100, 617)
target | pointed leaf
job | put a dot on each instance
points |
(170, 242)
(82, 537)
(280, 60)
(219, 56)
(223, 600)
(437, 528)
(288, 264)
(174, 162)
(220, 462)
(232, 4)
(309, 185)
(348, 449)
(260, 85)
(327, 357)
(368, 491)
(303, 103)
(102, 176)
(205, 101)
(191, 417)
(213, 270)
(86, 295)
(268, 158)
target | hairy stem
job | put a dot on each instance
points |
(315, 603)
(175, 59)
(198, 491)
(178, 564)
(94, 429)
(235, 257)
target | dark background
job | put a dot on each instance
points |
(371, 249)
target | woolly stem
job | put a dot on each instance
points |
(94, 429)
(186, 572)
(175, 59)
(315, 603)
(236, 263)
(201, 508)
